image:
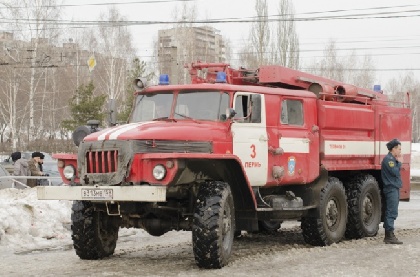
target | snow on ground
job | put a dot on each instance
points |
(27, 223)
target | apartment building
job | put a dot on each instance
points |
(181, 45)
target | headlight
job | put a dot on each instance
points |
(159, 172)
(69, 172)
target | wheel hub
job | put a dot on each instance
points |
(227, 226)
(331, 213)
(367, 209)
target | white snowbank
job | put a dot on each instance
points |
(27, 223)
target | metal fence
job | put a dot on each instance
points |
(16, 180)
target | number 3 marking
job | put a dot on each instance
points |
(253, 154)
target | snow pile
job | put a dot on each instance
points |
(27, 223)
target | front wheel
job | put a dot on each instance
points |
(95, 233)
(213, 225)
(328, 224)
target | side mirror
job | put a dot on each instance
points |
(230, 113)
(140, 83)
(82, 131)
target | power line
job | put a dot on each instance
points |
(82, 65)
(270, 18)
(102, 4)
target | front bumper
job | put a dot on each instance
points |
(103, 193)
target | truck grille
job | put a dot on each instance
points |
(102, 161)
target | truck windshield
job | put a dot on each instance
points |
(200, 105)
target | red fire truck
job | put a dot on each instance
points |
(235, 150)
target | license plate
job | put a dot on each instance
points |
(97, 194)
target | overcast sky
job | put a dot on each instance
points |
(391, 38)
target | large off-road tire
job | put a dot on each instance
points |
(364, 204)
(327, 224)
(213, 225)
(269, 226)
(95, 233)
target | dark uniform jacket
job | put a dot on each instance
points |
(391, 172)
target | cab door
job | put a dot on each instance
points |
(250, 140)
(299, 139)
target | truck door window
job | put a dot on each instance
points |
(291, 112)
(248, 108)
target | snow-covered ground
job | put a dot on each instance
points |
(33, 230)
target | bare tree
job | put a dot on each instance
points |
(228, 51)
(11, 112)
(330, 66)
(260, 35)
(364, 73)
(348, 69)
(112, 46)
(115, 43)
(397, 89)
(32, 19)
(12, 97)
(185, 42)
(286, 41)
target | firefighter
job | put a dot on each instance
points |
(391, 177)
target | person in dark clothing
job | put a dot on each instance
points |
(33, 165)
(16, 156)
(42, 182)
(20, 168)
(391, 177)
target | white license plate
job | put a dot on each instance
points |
(97, 194)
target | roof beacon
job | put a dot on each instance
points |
(164, 79)
(221, 77)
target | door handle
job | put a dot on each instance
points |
(263, 138)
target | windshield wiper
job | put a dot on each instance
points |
(187, 117)
(164, 118)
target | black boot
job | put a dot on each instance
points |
(390, 238)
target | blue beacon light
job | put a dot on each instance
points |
(164, 79)
(221, 77)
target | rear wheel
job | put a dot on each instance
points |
(364, 203)
(328, 224)
(213, 225)
(95, 233)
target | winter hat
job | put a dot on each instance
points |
(16, 156)
(37, 154)
(391, 144)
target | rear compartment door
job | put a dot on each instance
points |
(397, 125)
(299, 140)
